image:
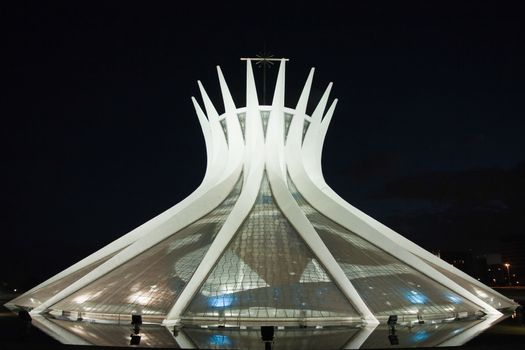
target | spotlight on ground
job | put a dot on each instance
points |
(267, 333)
(393, 339)
(136, 320)
(392, 320)
(134, 339)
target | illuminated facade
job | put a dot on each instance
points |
(262, 240)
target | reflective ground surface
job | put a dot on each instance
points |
(450, 333)
(507, 332)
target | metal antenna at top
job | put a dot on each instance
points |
(265, 61)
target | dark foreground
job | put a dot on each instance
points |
(507, 334)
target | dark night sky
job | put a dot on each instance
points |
(99, 134)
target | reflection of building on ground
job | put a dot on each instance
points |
(452, 333)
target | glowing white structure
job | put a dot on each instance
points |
(262, 240)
